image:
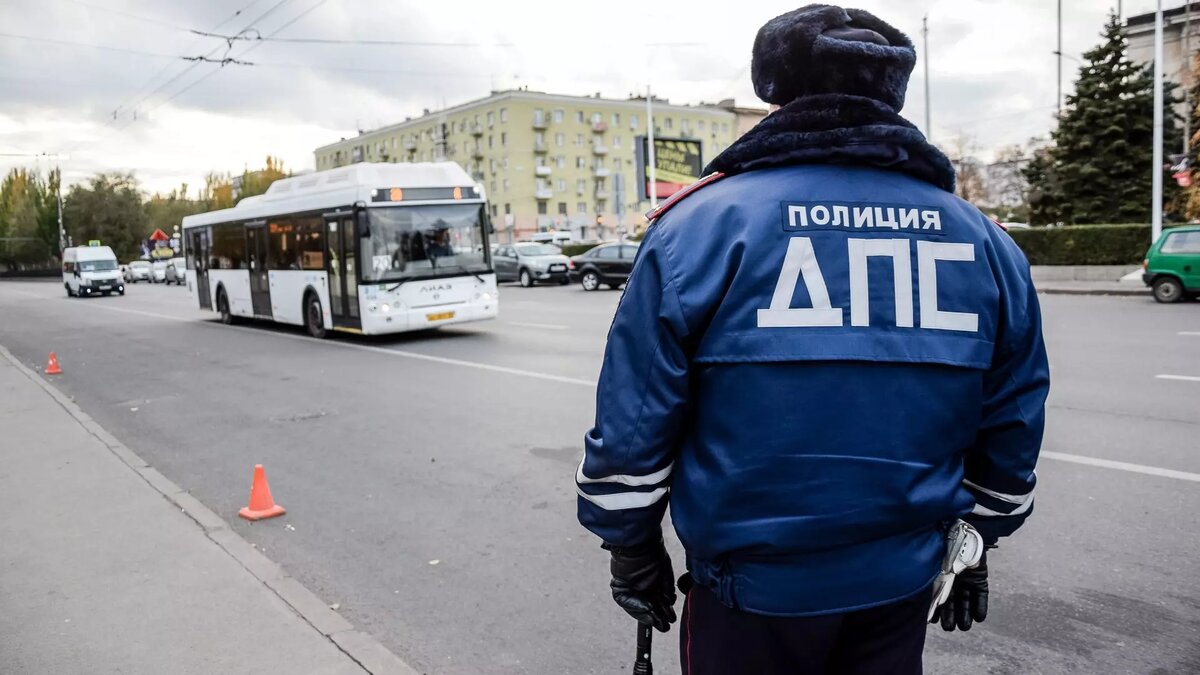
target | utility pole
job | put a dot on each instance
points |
(925, 48)
(1157, 176)
(1187, 77)
(1058, 101)
(652, 175)
(62, 231)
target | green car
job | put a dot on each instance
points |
(1172, 267)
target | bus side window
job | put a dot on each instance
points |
(310, 234)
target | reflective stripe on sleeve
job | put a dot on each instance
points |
(632, 481)
(1011, 499)
(984, 511)
(624, 500)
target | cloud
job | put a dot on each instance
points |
(992, 71)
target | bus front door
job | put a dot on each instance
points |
(198, 247)
(260, 282)
(342, 238)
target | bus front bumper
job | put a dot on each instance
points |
(397, 321)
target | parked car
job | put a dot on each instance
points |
(607, 264)
(1172, 267)
(530, 262)
(137, 270)
(177, 271)
(158, 271)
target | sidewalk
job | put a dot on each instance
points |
(100, 573)
(1092, 288)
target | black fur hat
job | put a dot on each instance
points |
(824, 49)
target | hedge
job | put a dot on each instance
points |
(575, 249)
(1084, 244)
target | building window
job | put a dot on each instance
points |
(561, 161)
(596, 118)
(503, 115)
(580, 162)
(559, 140)
(562, 208)
(579, 140)
(507, 185)
(491, 119)
(466, 147)
(558, 115)
(504, 162)
(616, 119)
(579, 116)
(599, 162)
(633, 122)
(581, 186)
(684, 127)
(668, 123)
(541, 208)
(562, 185)
(616, 141)
(581, 208)
(490, 139)
(539, 116)
(492, 169)
(493, 187)
(462, 126)
(616, 163)
(508, 209)
(504, 139)
(700, 125)
(493, 210)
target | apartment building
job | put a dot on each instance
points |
(548, 161)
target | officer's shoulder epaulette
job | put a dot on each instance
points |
(682, 194)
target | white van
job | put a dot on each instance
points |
(88, 270)
(555, 238)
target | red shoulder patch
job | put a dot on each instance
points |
(679, 196)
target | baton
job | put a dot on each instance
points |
(645, 635)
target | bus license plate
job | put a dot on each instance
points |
(440, 317)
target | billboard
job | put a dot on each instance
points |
(677, 164)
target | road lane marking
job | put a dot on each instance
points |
(1188, 333)
(1178, 378)
(543, 326)
(562, 379)
(1124, 466)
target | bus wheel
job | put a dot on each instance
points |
(314, 318)
(227, 317)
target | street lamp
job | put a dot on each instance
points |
(1157, 175)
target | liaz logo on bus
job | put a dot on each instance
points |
(434, 288)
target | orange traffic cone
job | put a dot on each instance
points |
(261, 504)
(52, 367)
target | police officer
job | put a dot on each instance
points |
(822, 361)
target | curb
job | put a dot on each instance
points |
(1129, 293)
(364, 650)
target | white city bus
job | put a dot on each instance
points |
(367, 248)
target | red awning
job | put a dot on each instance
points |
(159, 235)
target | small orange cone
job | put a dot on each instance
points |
(52, 367)
(261, 504)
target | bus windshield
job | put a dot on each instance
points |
(437, 240)
(97, 265)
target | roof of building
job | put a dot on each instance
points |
(336, 187)
(527, 95)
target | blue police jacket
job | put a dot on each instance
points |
(819, 368)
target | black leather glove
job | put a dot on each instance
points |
(643, 583)
(968, 601)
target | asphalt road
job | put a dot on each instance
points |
(428, 478)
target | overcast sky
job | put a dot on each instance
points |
(147, 110)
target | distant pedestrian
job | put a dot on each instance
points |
(823, 360)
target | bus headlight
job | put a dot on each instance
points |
(486, 297)
(386, 308)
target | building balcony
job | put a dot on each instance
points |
(602, 195)
(542, 194)
(477, 175)
(599, 149)
(599, 127)
(410, 145)
(601, 172)
(541, 123)
(477, 152)
(476, 129)
(540, 148)
(542, 171)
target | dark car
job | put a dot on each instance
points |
(607, 264)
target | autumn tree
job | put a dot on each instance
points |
(28, 218)
(108, 208)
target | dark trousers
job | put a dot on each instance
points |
(717, 640)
